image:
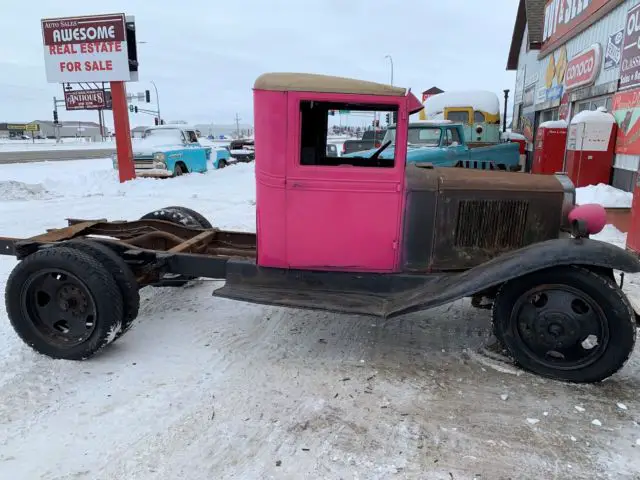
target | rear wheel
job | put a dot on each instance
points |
(178, 170)
(122, 274)
(222, 163)
(566, 323)
(180, 216)
(64, 303)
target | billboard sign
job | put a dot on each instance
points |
(86, 49)
(86, 99)
(583, 69)
(614, 50)
(626, 110)
(630, 61)
(563, 19)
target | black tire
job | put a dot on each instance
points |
(122, 274)
(598, 305)
(180, 216)
(174, 215)
(67, 268)
(178, 170)
(222, 164)
(201, 219)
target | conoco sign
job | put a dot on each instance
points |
(583, 69)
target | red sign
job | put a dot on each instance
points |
(563, 109)
(95, 29)
(626, 110)
(85, 100)
(563, 17)
(630, 61)
(583, 69)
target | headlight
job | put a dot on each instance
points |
(159, 157)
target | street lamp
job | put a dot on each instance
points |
(157, 102)
(144, 42)
(390, 60)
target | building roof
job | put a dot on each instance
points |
(530, 17)
(69, 123)
(433, 91)
(309, 82)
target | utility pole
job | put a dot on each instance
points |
(504, 120)
(237, 125)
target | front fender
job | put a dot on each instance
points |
(514, 264)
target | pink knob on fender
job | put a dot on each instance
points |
(592, 214)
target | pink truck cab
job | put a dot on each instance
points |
(307, 202)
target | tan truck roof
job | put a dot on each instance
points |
(310, 82)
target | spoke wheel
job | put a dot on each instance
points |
(566, 323)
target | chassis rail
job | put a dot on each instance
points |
(150, 247)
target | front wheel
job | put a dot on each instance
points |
(565, 323)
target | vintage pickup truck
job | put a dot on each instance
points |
(442, 143)
(358, 236)
(173, 150)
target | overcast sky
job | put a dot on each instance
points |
(204, 54)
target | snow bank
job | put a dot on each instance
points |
(509, 135)
(605, 195)
(13, 190)
(593, 116)
(477, 99)
(554, 124)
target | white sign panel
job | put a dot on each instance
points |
(86, 49)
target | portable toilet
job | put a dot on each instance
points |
(590, 147)
(551, 140)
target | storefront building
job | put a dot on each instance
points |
(588, 57)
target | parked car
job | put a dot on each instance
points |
(442, 143)
(173, 150)
(370, 139)
(242, 150)
(332, 150)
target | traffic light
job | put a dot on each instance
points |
(55, 117)
(388, 118)
(131, 108)
(147, 96)
(395, 117)
(135, 109)
(161, 122)
(156, 120)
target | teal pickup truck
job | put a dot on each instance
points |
(442, 144)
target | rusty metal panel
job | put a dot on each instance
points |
(474, 226)
(491, 224)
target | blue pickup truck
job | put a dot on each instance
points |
(173, 150)
(442, 144)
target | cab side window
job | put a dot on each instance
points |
(451, 137)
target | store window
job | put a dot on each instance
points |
(594, 104)
(549, 115)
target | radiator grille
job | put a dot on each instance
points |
(491, 224)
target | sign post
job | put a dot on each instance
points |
(95, 49)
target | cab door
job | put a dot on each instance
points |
(341, 213)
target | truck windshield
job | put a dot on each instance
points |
(418, 135)
(166, 134)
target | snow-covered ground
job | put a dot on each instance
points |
(206, 388)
